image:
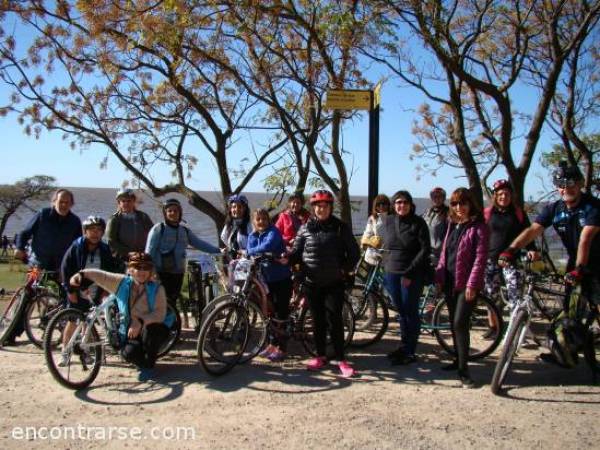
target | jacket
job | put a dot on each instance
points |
(241, 238)
(76, 257)
(271, 241)
(471, 257)
(373, 228)
(406, 241)
(285, 224)
(163, 239)
(437, 222)
(51, 235)
(127, 234)
(326, 251)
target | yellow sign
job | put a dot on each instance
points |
(348, 99)
(377, 95)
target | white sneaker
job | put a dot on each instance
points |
(64, 359)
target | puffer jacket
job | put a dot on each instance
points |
(325, 250)
(471, 257)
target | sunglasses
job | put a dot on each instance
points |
(457, 203)
(142, 267)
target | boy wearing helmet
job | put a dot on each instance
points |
(127, 228)
(167, 243)
(576, 219)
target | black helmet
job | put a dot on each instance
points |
(170, 203)
(566, 175)
(92, 221)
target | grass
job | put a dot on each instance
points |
(11, 275)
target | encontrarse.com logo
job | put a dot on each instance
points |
(86, 433)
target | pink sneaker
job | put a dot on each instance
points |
(276, 356)
(316, 363)
(346, 369)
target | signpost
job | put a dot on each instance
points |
(363, 100)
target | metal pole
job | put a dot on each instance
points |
(373, 152)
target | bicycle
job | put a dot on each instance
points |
(35, 302)
(371, 304)
(237, 324)
(519, 327)
(95, 332)
(201, 291)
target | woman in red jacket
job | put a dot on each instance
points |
(460, 272)
(290, 220)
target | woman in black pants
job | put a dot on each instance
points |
(460, 272)
(328, 253)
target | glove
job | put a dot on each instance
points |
(506, 257)
(574, 276)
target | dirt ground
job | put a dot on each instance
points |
(281, 405)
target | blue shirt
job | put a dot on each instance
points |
(269, 241)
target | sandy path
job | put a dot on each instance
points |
(265, 405)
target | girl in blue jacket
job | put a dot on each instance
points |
(266, 238)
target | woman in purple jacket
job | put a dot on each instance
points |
(460, 272)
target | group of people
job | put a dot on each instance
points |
(462, 248)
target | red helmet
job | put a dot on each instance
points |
(502, 184)
(321, 195)
(438, 190)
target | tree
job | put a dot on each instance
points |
(20, 194)
(481, 54)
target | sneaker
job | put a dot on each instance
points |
(404, 360)
(449, 367)
(467, 382)
(145, 374)
(346, 369)
(316, 363)
(276, 356)
(399, 352)
(267, 351)
(64, 359)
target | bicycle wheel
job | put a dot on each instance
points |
(257, 332)
(483, 339)
(75, 365)
(548, 297)
(174, 333)
(371, 316)
(38, 313)
(223, 337)
(8, 321)
(514, 337)
(307, 329)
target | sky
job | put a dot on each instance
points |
(24, 156)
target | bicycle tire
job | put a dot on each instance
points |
(548, 301)
(257, 332)
(36, 317)
(9, 319)
(509, 350)
(174, 333)
(223, 337)
(307, 334)
(592, 347)
(373, 317)
(480, 347)
(53, 353)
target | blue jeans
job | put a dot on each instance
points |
(406, 302)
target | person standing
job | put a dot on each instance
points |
(290, 220)
(460, 273)
(167, 243)
(372, 235)
(436, 218)
(128, 228)
(237, 225)
(327, 253)
(406, 261)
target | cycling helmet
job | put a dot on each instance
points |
(501, 184)
(125, 192)
(92, 221)
(140, 260)
(238, 198)
(171, 202)
(566, 175)
(437, 190)
(321, 195)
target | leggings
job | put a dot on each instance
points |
(142, 351)
(172, 283)
(281, 293)
(460, 313)
(326, 304)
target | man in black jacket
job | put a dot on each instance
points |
(327, 253)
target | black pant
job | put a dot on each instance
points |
(281, 293)
(143, 350)
(460, 314)
(172, 283)
(326, 303)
